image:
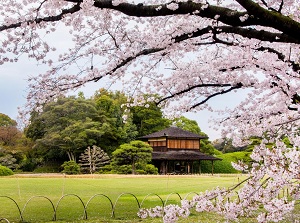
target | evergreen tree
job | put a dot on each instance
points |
(133, 153)
(93, 159)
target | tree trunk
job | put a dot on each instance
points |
(71, 156)
(133, 167)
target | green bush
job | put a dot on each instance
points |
(236, 156)
(115, 169)
(70, 167)
(47, 169)
(217, 152)
(5, 171)
(123, 169)
(107, 169)
(9, 161)
(147, 169)
(141, 172)
(223, 166)
(29, 164)
(126, 169)
(151, 169)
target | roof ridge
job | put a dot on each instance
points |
(174, 131)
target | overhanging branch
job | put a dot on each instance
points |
(257, 16)
(188, 89)
(272, 18)
(237, 86)
(58, 17)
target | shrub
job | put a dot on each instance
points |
(147, 169)
(70, 167)
(48, 168)
(151, 169)
(235, 156)
(217, 152)
(5, 171)
(9, 161)
(107, 169)
(29, 164)
(140, 172)
(123, 169)
(223, 166)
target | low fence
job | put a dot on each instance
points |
(113, 206)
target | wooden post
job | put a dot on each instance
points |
(192, 167)
(212, 167)
(199, 166)
(162, 168)
(167, 164)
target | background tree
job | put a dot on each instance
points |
(66, 126)
(93, 159)
(9, 133)
(7, 160)
(70, 124)
(188, 125)
(14, 146)
(110, 105)
(6, 121)
(133, 153)
(148, 118)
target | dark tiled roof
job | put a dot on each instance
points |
(182, 155)
(173, 132)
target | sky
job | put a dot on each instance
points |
(13, 87)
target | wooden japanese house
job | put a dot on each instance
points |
(176, 151)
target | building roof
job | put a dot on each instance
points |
(173, 132)
(183, 154)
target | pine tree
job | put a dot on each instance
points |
(92, 159)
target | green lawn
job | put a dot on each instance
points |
(35, 196)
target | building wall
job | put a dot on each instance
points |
(161, 144)
(158, 142)
(183, 144)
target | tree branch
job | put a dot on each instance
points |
(58, 17)
(191, 88)
(258, 16)
(237, 86)
(272, 19)
(295, 66)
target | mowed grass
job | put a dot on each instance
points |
(38, 195)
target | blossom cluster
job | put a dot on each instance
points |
(269, 193)
(169, 213)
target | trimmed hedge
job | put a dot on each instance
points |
(225, 166)
(5, 171)
(235, 156)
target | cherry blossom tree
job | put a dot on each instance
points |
(186, 52)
